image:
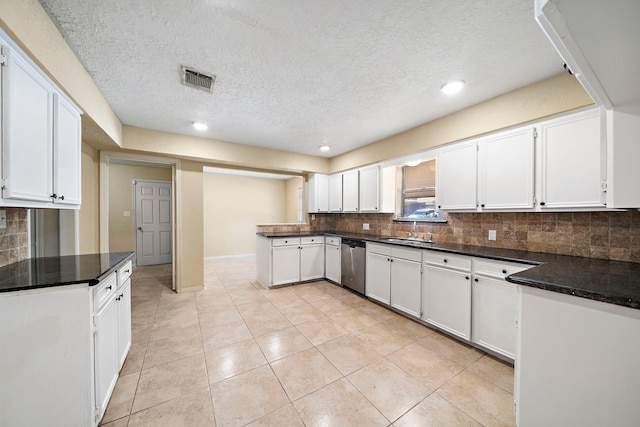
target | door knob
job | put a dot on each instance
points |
(140, 228)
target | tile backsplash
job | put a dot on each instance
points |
(605, 235)
(13, 239)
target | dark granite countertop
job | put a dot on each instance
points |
(34, 273)
(612, 282)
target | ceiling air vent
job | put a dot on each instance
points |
(198, 80)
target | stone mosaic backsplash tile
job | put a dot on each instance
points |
(13, 239)
(604, 235)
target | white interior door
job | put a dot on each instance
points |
(153, 222)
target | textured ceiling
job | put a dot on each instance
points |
(296, 74)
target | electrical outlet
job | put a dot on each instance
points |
(313, 217)
(3, 219)
(127, 213)
(365, 226)
(492, 234)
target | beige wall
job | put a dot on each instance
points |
(233, 205)
(292, 186)
(121, 200)
(552, 96)
(220, 152)
(89, 215)
(190, 268)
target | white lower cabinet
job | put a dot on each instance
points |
(105, 354)
(123, 305)
(447, 299)
(285, 264)
(378, 273)
(405, 285)
(393, 277)
(311, 258)
(494, 302)
(333, 267)
(286, 260)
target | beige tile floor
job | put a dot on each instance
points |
(314, 354)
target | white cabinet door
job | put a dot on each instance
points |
(333, 266)
(457, 177)
(312, 261)
(369, 189)
(378, 277)
(350, 194)
(27, 147)
(285, 267)
(405, 286)
(123, 304)
(66, 152)
(571, 159)
(318, 196)
(506, 170)
(335, 193)
(494, 315)
(447, 300)
(105, 354)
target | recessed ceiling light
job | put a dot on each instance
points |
(325, 148)
(200, 126)
(450, 88)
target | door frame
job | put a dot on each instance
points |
(105, 158)
(135, 215)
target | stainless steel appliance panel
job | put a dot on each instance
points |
(353, 265)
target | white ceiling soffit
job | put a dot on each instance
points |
(294, 75)
(267, 175)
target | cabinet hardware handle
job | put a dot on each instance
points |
(61, 197)
(118, 299)
(542, 203)
(504, 271)
(109, 287)
(482, 205)
(286, 241)
(466, 277)
(475, 280)
(439, 206)
(126, 271)
(121, 295)
(54, 195)
(445, 260)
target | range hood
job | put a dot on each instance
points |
(598, 41)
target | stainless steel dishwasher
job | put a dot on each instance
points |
(353, 264)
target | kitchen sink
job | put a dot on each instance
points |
(407, 240)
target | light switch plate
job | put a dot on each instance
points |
(3, 219)
(127, 213)
(365, 226)
(492, 234)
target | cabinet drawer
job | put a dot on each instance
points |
(124, 272)
(498, 269)
(379, 249)
(285, 241)
(405, 253)
(443, 259)
(332, 240)
(103, 291)
(310, 240)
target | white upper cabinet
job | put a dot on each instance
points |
(350, 193)
(66, 153)
(370, 189)
(27, 131)
(41, 137)
(506, 170)
(318, 193)
(335, 192)
(571, 159)
(457, 177)
(598, 41)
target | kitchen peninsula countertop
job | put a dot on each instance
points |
(613, 282)
(34, 273)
